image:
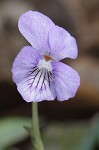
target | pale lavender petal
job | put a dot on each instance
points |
(35, 27)
(38, 86)
(66, 81)
(24, 62)
(62, 44)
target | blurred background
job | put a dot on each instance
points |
(68, 125)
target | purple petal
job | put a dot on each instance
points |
(24, 62)
(62, 44)
(35, 27)
(66, 81)
(37, 87)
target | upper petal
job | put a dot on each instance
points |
(24, 62)
(62, 44)
(66, 81)
(35, 27)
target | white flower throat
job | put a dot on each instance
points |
(45, 63)
(40, 77)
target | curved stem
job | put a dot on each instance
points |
(36, 137)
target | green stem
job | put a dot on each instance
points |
(36, 137)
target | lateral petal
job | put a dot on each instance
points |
(24, 62)
(66, 81)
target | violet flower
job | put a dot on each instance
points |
(36, 70)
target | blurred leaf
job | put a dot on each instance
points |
(28, 129)
(12, 130)
(73, 136)
(88, 143)
(12, 148)
(95, 124)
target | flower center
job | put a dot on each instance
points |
(45, 63)
(47, 58)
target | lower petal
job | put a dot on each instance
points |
(66, 81)
(37, 87)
